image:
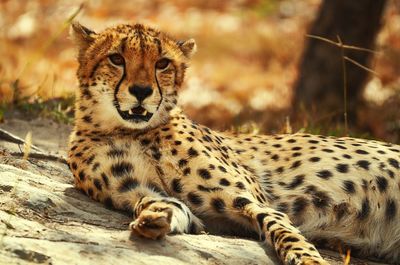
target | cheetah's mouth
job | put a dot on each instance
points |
(136, 114)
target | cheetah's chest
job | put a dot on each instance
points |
(124, 160)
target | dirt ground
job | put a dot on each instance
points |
(46, 134)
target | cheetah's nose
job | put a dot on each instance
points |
(140, 92)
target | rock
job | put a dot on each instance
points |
(49, 222)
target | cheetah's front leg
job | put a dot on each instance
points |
(157, 217)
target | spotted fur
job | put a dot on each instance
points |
(174, 175)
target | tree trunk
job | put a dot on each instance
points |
(320, 83)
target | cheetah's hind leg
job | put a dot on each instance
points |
(292, 247)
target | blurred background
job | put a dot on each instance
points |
(256, 68)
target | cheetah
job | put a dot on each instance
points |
(133, 149)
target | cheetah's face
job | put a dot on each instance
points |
(133, 72)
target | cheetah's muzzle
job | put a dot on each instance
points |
(136, 114)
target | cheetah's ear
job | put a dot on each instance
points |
(188, 47)
(82, 35)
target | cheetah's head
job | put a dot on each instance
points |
(129, 75)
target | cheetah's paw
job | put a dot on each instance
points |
(153, 222)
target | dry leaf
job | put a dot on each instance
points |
(27, 145)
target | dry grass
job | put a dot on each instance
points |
(244, 70)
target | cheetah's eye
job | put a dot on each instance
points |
(162, 63)
(116, 59)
